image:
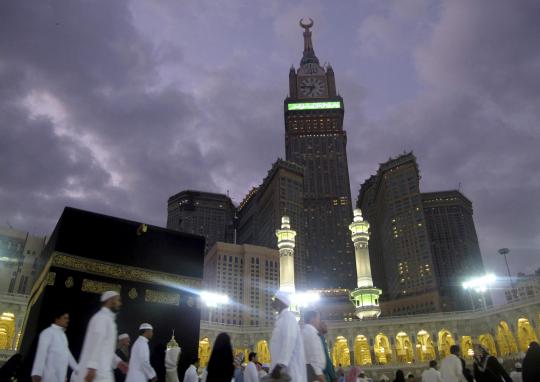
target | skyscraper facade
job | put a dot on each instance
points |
(316, 140)
(202, 213)
(399, 244)
(454, 245)
(423, 246)
(249, 275)
(259, 214)
(19, 254)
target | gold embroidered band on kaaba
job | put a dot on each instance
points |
(122, 272)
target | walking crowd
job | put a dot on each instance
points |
(298, 355)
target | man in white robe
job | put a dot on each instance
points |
(140, 369)
(251, 374)
(122, 351)
(191, 372)
(53, 355)
(315, 357)
(286, 344)
(98, 358)
(451, 366)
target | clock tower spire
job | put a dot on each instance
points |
(311, 80)
(316, 140)
(309, 56)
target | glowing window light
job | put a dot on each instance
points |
(314, 105)
(304, 299)
(480, 284)
(214, 299)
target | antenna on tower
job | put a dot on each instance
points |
(459, 187)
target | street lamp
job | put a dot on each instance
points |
(480, 285)
(304, 299)
(213, 300)
(504, 252)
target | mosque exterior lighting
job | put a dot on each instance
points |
(365, 297)
(286, 243)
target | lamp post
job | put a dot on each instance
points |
(213, 300)
(480, 285)
(504, 252)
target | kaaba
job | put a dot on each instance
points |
(157, 272)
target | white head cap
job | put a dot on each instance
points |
(284, 297)
(518, 365)
(109, 294)
(145, 326)
(123, 336)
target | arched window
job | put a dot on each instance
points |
(526, 334)
(445, 341)
(404, 348)
(424, 346)
(362, 355)
(505, 340)
(263, 352)
(487, 341)
(341, 353)
(382, 349)
(204, 351)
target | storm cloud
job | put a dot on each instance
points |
(115, 106)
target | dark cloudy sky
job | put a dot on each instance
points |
(113, 106)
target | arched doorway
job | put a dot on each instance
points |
(7, 330)
(505, 340)
(526, 334)
(263, 352)
(487, 341)
(445, 341)
(404, 348)
(466, 345)
(341, 354)
(382, 349)
(424, 346)
(204, 351)
(362, 356)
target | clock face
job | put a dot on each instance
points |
(312, 87)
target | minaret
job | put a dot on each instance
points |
(286, 243)
(366, 297)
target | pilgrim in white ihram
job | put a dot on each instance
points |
(98, 356)
(53, 355)
(287, 345)
(140, 369)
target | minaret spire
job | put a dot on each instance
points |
(366, 296)
(286, 243)
(309, 56)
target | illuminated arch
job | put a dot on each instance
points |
(204, 351)
(506, 340)
(241, 353)
(487, 341)
(362, 355)
(445, 340)
(404, 348)
(341, 354)
(7, 330)
(263, 352)
(466, 345)
(424, 346)
(382, 349)
(526, 334)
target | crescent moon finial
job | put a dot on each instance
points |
(306, 26)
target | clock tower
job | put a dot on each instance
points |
(315, 139)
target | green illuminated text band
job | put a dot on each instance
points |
(314, 105)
